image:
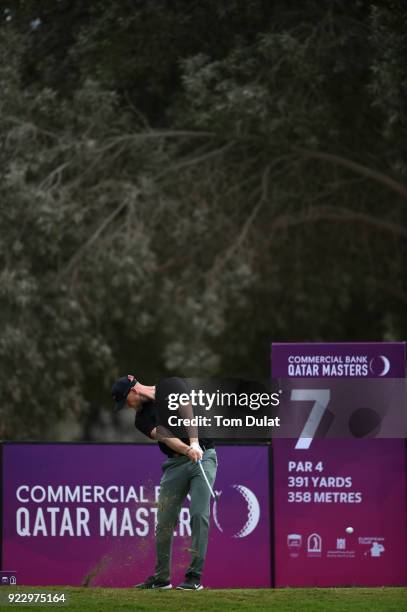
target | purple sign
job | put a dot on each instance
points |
(340, 504)
(340, 513)
(85, 515)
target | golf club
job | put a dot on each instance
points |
(212, 492)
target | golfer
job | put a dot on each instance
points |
(181, 475)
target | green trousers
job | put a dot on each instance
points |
(181, 477)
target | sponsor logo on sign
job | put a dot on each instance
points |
(294, 543)
(332, 365)
(252, 510)
(314, 545)
(340, 552)
(375, 550)
(370, 539)
(380, 365)
(8, 578)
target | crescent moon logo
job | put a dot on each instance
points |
(385, 363)
(253, 512)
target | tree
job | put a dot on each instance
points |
(176, 211)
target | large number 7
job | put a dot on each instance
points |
(320, 397)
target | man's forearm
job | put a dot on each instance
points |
(186, 412)
(175, 444)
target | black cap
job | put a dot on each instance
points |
(120, 390)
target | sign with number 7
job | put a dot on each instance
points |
(345, 390)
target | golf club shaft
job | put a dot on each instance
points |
(206, 479)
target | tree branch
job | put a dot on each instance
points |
(343, 215)
(77, 256)
(375, 175)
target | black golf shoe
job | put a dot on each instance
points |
(152, 583)
(190, 584)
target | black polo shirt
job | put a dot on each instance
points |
(147, 417)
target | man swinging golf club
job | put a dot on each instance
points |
(181, 475)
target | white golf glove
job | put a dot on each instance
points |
(196, 446)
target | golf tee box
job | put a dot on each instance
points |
(340, 497)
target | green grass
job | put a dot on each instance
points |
(280, 600)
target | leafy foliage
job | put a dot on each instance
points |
(181, 185)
